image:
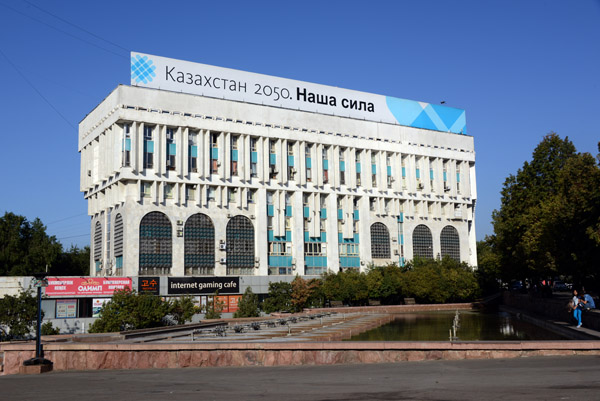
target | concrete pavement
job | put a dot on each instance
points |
(538, 378)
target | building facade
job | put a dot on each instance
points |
(183, 185)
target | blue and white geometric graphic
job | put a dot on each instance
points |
(142, 69)
(428, 116)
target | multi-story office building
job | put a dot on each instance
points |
(226, 183)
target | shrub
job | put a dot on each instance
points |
(248, 305)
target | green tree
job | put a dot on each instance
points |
(248, 305)
(182, 309)
(439, 281)
(549, 217)
(488, 266)
(385, 283)
(74, 262)
(306, 294)
(349, 286)
(128, 310)
(25, 247)
(49, 330)
(19, 314)
(279, 297)
(214, 307)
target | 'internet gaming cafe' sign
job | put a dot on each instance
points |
(203, 285)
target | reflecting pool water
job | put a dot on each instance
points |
(473, 326)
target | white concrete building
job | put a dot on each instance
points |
(181, 184)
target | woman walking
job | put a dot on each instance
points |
(577, 308)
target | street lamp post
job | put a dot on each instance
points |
(40, 281)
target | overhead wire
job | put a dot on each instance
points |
(36, 89)
(76, 26)
(63, 32)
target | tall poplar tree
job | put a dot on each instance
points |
(549, 216)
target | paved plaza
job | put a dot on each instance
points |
(539, 378)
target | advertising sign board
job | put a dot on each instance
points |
(223, 83)
(149, 285)
(66, 308)
(97, 304)
(203, 285)
(69, 286)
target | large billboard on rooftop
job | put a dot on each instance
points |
(224, 83)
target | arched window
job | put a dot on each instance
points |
(199, 245)
(422, 242)
(450, 243)
(240, 246)
(98, 245)
(156, 244)
(118, 243)
(380, 241)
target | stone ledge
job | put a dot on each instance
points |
(34, 369)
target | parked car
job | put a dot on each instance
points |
(560, 286)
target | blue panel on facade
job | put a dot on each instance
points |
(270, 210)
(358, 168)
(194, 151)
(445, 176)
(234, 155)
(457, 177)
(149, 146)
(288, 211)
(325, 164)
(389, 170)
(401, 217)
(323, 236)
(356, 238)
(401, 239)
(431, 174)
(418, 173)
(119, 262)
(214, 153)
(356, 215)
(349, 261)
(306, 237)
(306, 212)
(340, 214)
(323, 213)
(288, 236)
(291, 161)
(340, 238)
(373, 168)
(403, 172)
(308, 162)
(127, 144)
(172, 149)
(272, 158)
(270, 236)
(342, 166)
(253, 157)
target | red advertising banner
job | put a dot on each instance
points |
(69, 286)
(233, 302)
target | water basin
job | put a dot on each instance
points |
(473, 326)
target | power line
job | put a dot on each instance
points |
(67, 218)
(63, 32)
(76, 26)
(74, 236)
(36, 90)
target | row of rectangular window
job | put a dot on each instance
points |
(273, 172)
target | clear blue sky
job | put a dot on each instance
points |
(519, 68)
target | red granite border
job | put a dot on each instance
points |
(76, 356)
